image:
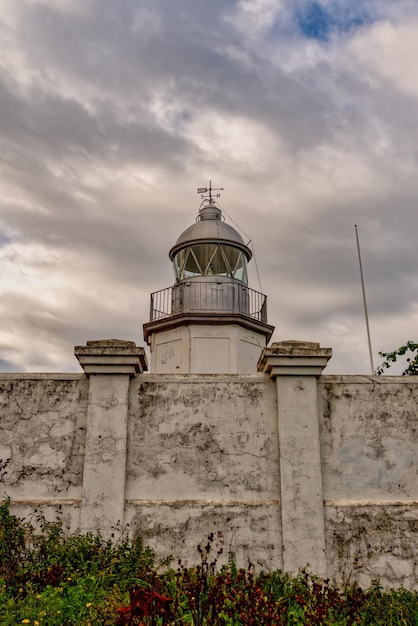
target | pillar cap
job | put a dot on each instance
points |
(294, 358)
(111, 356)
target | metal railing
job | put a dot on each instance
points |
(208, 297)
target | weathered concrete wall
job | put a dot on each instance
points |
(205, 453)
(203, 458)
(375, 540)
(42, 432)
(369, 441)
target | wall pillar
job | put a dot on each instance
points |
(109, 364)
(295, 366)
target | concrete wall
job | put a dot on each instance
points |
(203, 458)
(369, 443)
(285, 467)
(42, 432)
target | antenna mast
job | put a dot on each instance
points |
(364, 301)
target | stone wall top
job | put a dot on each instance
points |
(10, 376)
(294, 358)
(111, 356)
(367, 379)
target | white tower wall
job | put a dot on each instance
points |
(206, 349)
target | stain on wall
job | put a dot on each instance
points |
(42, 432)
(251, 533)
(192, 437)
(369, 450)
(373, 541)
(207, 446)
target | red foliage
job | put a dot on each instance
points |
(143, 603)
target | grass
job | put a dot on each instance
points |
(48, 579)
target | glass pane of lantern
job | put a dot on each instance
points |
(179, 261)
(203, 253)
(232, 255)
(218, 264)
(236, 261)
(191, 267)
(241, 272)
(185, 265)
(210, 259)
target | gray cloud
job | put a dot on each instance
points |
(112, 114)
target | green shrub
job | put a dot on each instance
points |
(50, 579)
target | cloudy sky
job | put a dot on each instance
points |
(113, 112)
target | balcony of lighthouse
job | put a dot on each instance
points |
(212, 296)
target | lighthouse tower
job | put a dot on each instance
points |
(209, 321)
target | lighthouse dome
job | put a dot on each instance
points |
(210, 247)
(210, 225)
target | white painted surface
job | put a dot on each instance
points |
(206, 349)
(295, 366)
(369, 445)
(211, 355)
(105, 459)
(300, 472)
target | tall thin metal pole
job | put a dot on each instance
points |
(364, 301)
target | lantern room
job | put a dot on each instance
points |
(210, 248)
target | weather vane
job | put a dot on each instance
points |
(206, 193)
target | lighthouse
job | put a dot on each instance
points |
(209, 321)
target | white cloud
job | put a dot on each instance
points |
(389, 51)
(71, 7)
(252, 19)
(233, 138)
